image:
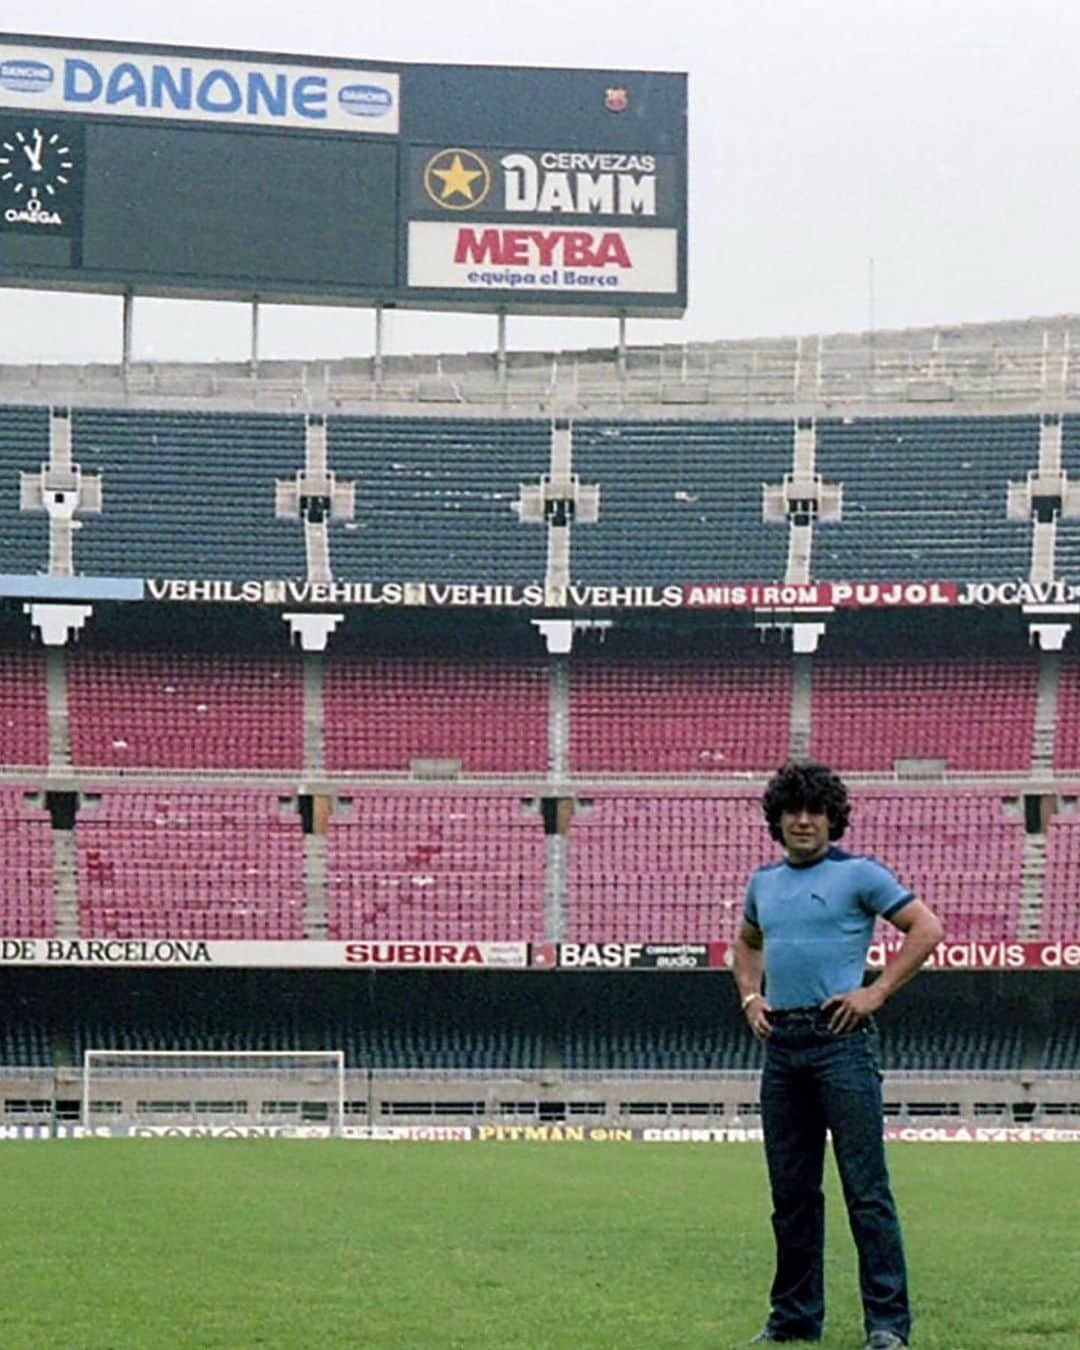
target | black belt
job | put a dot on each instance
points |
(813, 1013)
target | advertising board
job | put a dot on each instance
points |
(245, 175)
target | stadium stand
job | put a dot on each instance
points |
(420, 1046)
(1061, 884)
(435, 498)
(648, 715)
(680, 500)
(24, 724)
(24, 1043)
(435, 495)
(1067, 531)
(487, 716)
(1062, 1049)
(661, 867)
(664, 1048)
(26, 869)
(959, 851)
(973, 714)
(956, 1037)
(619, 1034)
(637, 764)
(466, 866)
(217, 863)
(173, 480)
(24, 447)
(181, 710)
(1067, 724)
(924, 497)
(672, 867)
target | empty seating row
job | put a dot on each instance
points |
(640, 716)
(975, 715)
(24, 725)
(383, 714)
(645, 863)
(27, 906)
(465, 866)
(435, 498)
(928, 1037)
(219, 864)
(640, 864)
(178, 711)
(674, 717)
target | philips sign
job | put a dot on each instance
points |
(182, 88)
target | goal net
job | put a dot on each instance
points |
(214, 1087)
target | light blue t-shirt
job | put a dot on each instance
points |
(817, 920)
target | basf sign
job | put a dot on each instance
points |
(242, 175)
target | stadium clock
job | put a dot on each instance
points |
(40, 176)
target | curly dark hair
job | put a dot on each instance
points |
(802, 783)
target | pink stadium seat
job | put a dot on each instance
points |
(673, 867)
(678, 717)
(26, 867)
(667, 867)
(172, 863)
(382, 713)
(960, 851)
(977, 714)
(466, 866)
(182, 710)
(1061, 884)
(1067, 731)
(24, 720)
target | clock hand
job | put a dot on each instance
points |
(34, 156)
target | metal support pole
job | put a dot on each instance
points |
(378, 366)
(127, 324)
(621, 349)
(500, 355)
(254, 362)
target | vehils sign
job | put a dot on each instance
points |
(185, 88)
(807, 597)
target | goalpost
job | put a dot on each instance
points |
(214, 1087)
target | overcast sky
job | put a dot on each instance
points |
(900, 162)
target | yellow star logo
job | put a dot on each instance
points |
(451, 179)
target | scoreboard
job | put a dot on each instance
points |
(242, 175)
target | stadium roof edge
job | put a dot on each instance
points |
(1015, 366)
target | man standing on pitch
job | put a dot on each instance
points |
(807, 924)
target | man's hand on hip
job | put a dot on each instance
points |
(848, 1010)
(756, 1020)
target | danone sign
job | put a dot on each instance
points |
(217, 89)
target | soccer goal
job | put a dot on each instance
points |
(214, 1087)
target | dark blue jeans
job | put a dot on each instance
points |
(815, 1081)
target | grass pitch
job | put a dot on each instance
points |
(106, 1245)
